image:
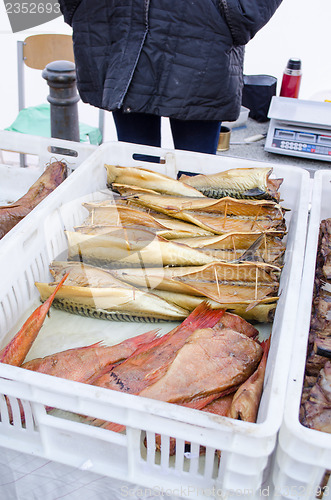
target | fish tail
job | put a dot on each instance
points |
(265, 344)
(16, 350)
(155, 342)
(203, 316)
(48, 302)
(141, 340)
(142, 343)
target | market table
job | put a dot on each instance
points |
(256, 151)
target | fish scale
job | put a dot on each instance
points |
(256, 194)
(99, 314)
(240, 183)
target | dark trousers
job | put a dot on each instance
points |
(191, 135)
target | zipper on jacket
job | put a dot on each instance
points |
(225, 11)
(146, 8)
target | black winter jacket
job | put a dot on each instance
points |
(175, 58)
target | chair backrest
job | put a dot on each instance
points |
(36, 51)
(39, 50)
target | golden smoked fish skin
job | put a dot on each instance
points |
(127, 214)
(222, 272)
(97, 294)
(249, 289)
(173, 204)
(253, 246)
(167, 247)
(126, 246)
(262, 312)
(218, 216)
(147, 179)
(237, 183)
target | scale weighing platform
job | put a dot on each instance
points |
(299, 128)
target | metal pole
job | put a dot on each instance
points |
(63, 98)
(21, 96)
(20, 74)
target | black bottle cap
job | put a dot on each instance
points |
(294, 64)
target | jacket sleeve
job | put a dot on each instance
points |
(68, 8)
(246, 17)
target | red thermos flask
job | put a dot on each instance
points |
(291, 79)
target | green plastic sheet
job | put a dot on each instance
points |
(36, 120)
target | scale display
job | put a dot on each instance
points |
(299, 128)
(291, 140)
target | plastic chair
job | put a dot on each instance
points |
(36, 52)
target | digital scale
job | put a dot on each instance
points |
(299, 128)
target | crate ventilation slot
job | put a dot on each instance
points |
(170, 452)
(16, 413)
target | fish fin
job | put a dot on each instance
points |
(101, 373)
(157, 341)
(250, 254)
(6, 207)
(16, 350)
(142, 340)
(200, 403)
(182, 175)
(203, 316)
(265, 344)
(252, 304)
(256, 303)
(48, 302)
(110, 426)
(96, 344)
(254, 193)
(246, 401)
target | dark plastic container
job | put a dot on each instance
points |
(257, 93)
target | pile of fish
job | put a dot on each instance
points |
(158, 247)
(211, 361)
(10, 215)
(161, 249)
(315, 411)
(170, 253)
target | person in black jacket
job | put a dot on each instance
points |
(182, 59)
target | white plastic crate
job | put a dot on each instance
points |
(245, 447)
(16, 180)
(304, 454)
